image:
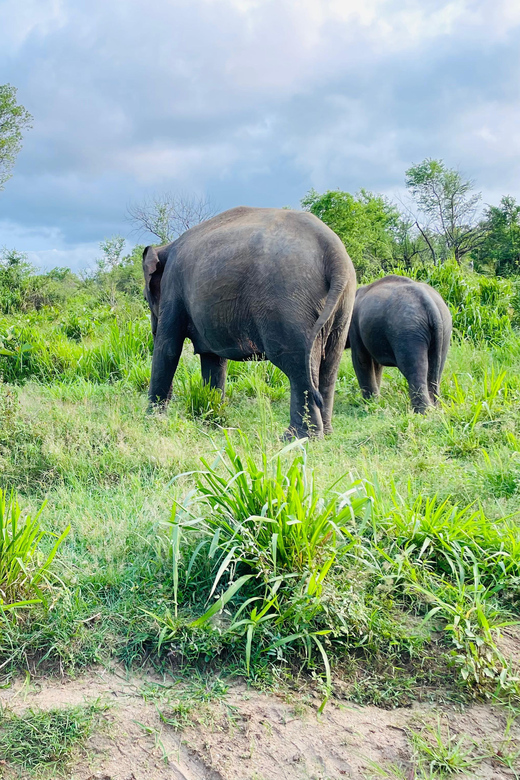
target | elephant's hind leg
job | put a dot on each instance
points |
(328, 375)
(368, 371)
(434, 375)
(305, 415)
(413, 364)
(214, 370)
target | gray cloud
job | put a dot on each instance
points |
(250, 101)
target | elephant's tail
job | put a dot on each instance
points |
(341, 274)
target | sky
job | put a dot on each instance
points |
(246, 102)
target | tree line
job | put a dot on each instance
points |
(440, 218)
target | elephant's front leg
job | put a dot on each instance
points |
(167, 349)
(214, 370)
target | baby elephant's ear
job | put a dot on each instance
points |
(153, 267)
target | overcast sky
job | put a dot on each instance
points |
(248, 102)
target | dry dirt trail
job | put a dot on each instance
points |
(245, 734)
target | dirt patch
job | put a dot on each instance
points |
(247, 735)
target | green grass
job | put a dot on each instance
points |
(22, 568)
(41, 741)
(387, 555)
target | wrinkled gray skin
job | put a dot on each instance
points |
(266, 283)
(399, 322)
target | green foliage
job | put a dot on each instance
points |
(266, 543)
(439, 753)
(201, 401)
(272, 556)
(16, 276)
(21, 571)
(13, 119)
(53, 353)
(365, 223)
(42, 740)
(124, 354)
(500, 247)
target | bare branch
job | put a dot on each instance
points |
(169, 215)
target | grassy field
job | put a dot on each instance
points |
(383, 561)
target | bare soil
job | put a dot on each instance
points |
(249, 735)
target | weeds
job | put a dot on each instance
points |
(438, 753)
(20, 570)
(201, 401)
(45, 740)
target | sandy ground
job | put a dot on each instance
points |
(246, 734)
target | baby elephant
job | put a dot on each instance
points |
(399, 322)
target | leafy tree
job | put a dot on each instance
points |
(366, 223)
(447, 209)
(112, 249)
(13, 119)
(167, 216)
(16, 275)
(501, 242)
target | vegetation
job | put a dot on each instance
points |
(14, 118)
(385, 559)
(20, 570)
(42, 741)
(270, 558)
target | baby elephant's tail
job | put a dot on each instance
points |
(437, 348)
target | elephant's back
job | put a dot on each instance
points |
(269, 268)
(258, 235)
(398, 307)
(277, 253)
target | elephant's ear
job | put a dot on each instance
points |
(153, 267)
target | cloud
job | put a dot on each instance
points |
(252, 101)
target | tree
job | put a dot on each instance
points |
(112, 249)
(365, 222)
(447, 209)
(13, 119)
(500, 246)
(16, 273)
(167, 216)
(108, 264)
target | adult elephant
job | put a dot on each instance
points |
(252, 282)
(400, 322)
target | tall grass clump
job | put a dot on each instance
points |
(200, 400)
(44, 352)
(116, 356)
(276, 568)
(452, 563)
(259, 541)
(23, 566)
